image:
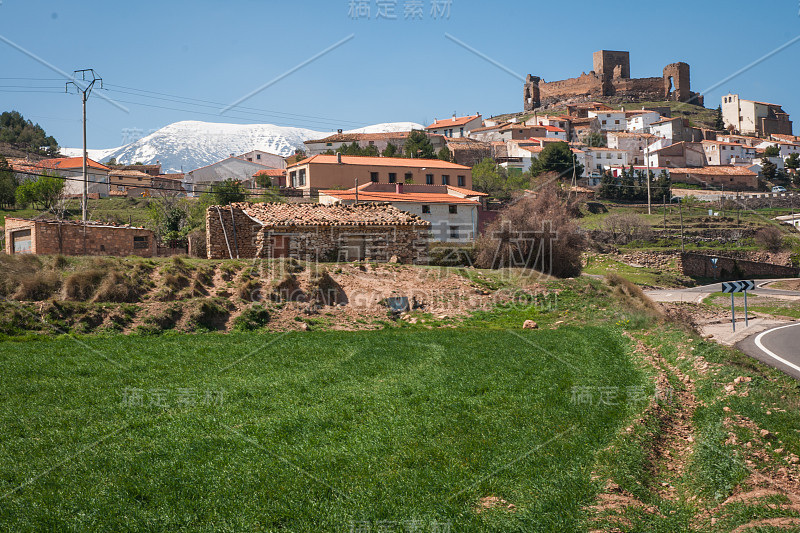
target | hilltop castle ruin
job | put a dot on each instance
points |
(611, 77)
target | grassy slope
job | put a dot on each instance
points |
(320, 429)
(316, 430)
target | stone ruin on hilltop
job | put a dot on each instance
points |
(611, 80)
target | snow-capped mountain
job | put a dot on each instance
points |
(187, 145)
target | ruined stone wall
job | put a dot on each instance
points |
(642, 88)
(609, 62)
(585, 85)
(733, 269)
(312, 243)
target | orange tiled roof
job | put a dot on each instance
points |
(272, 172)
(382, 162)
(553, 129)
(449, 122)
(21, 165)
(280, 214)
(415, 197)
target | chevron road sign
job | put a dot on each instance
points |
(738, 286)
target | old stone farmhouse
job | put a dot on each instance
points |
(69, 237)
(316, 232)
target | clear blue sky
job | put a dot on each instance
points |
(391, 70)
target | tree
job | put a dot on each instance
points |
(228, 191)
(390, 151)
(14, 129)
(45, 190)
(491, 178)
(772, 151)
(111, 162)
(768, 169)
(595, 139)
(535, 232)
(793, 161)
(719, 122)
(609, 186)
(556, 157)
(8, 184)
(444, 154)
(418, 145)
(770, 238)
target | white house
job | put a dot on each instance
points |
(750, 116)
(786, 149)
(641, 120)
(264, 158)
(455, 127)
(598, 159)
(634, 143)
(724, 153)
(70, 168)
(452, 212)
(611, 120)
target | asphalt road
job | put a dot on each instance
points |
(777, 347)
(697, 294)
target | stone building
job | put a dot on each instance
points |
(754, 118)
(611, 77)
(68, 237)
(316, 232)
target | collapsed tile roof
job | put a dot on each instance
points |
(372, 214)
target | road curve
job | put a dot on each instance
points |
(777, 347)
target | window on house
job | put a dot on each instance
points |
(453, 209)
(302, 177)
(462, 132)
(462, 180)
(372, 143)
(293, 179)
(373, 176)
(392, 177)
(604, 122)
(409, 177)
(140, 242)
(426, 209)
(328, 144)
(616, 122)
(140, 179)
(258, 156)
(249, 158)
(445, 179)
(454, 232)
(429, 179)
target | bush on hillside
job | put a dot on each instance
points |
(534, 232)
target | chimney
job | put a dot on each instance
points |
(398, 188)
(454, 117)
(339, 131)
(339, 158)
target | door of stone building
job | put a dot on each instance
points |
(280, 246)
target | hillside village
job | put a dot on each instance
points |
(531, 302)
(749, 151)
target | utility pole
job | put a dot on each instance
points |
(84, 87)
(680, 208)
(647, 163)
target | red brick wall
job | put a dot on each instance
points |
(70, 239)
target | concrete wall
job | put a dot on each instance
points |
(70, 238)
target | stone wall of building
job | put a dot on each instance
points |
(409, 244)
(73, 238)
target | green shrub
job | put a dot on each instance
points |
(252, 318)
